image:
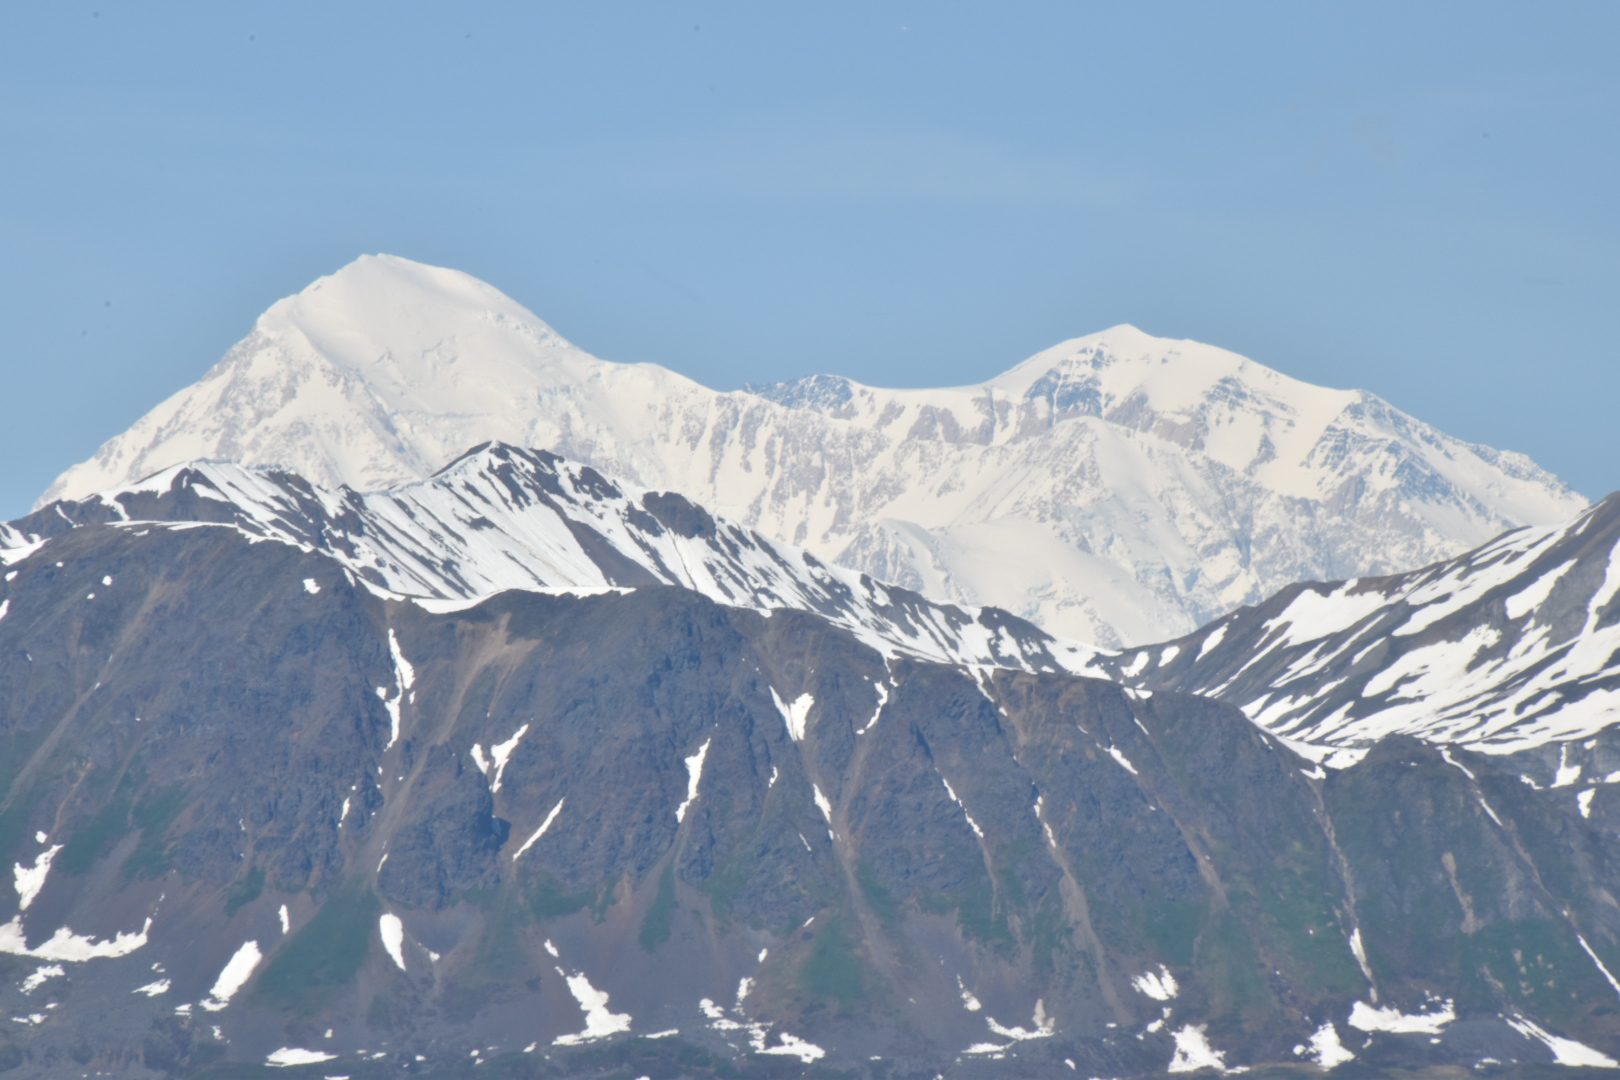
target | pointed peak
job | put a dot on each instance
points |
(495, 452)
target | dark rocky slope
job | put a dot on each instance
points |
(773, 852)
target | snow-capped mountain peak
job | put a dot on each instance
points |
(406, 327)
(1115, 488)
(374, 375)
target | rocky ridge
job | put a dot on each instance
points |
(1512, 646)
(265, 812)
(500, 518)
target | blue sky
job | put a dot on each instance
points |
(1418, 199)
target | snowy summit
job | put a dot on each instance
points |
(1117, 488)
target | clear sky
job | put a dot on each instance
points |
(1415, 198)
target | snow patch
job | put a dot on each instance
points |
(1159, 985)
(821, 804)
(1327, 1049)
(1043, 1026)
(392, 931)
(1531, 598)
(500, 753)
(31, 879)
(1564, 1051)
(1388, 1018)
(288, 1056)
(541, 831)
(1613, 983)
(1312, 615)
(758, 1035)
(882, 700)
(69, 947)
(1567, 774)
(797, 714)
(238, 969)
(1360, 953)
(1212, 641)
(599, 1021)
(974, 825)
(404, 677)
(694, 776)
(969, 1002)
(41, 975)
(790, 1046)
(1193, 1051)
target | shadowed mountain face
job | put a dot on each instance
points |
(250, 802)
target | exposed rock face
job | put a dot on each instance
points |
(581, 822)
(1513, 646)
(1116, 488)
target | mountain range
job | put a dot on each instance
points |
(263, 812)
(419, 695)
(1114, 489)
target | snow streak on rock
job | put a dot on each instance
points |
(1511, 646)
(502, 518)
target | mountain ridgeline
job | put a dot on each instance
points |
(1513, 646)
(1117, 488)
(525, 767)
(500, 517)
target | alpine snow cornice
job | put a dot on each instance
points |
(1117, 487)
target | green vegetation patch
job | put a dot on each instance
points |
(95, 838)
(1537, 963)
(324, 955)
(655, 928)
(244, 891)
(727, 882)
(832, 971)
(878, 897)
(975, 909)
(1229, 967)
(499, 958)
(549, 900)
(1295, 912)
(153, 815)
(1172, 926)
(1048, 932)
